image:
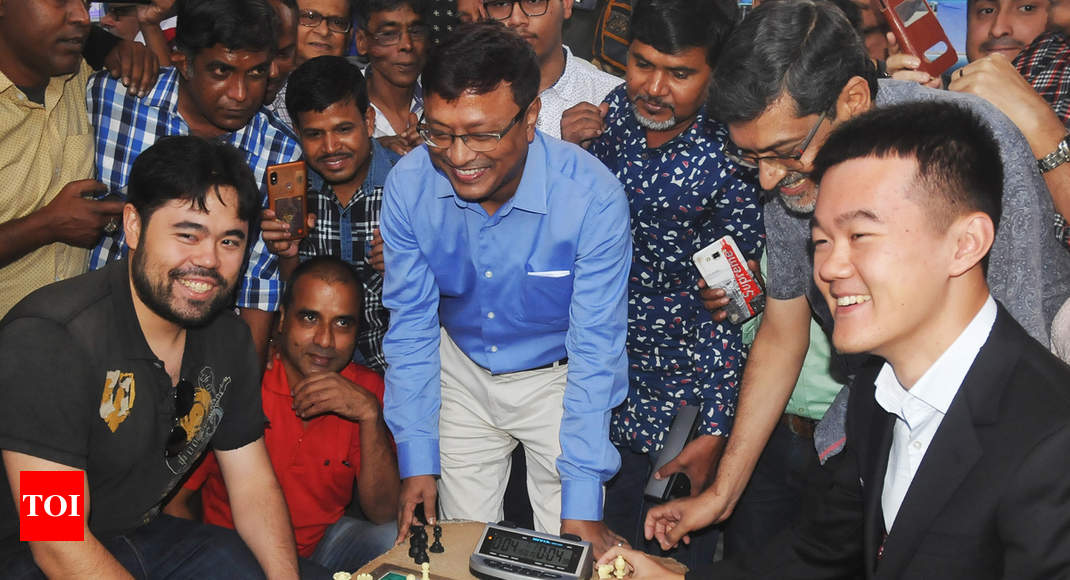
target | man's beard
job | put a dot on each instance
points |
(801, 204)
(159, 297)
(650, 124)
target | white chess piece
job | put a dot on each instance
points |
(410, 577)
(605, 571)
(425, 570)
(620, 567)
(341, 576)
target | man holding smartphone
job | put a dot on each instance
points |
(657, 125)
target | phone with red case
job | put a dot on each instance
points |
(918, 32)
(287, 196)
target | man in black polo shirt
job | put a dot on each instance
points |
(128, 373)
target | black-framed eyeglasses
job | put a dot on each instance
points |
(119, 10)
(178, 438)
(478, 142)
(417, 33)
(312, 19)
(796, 154)
(503, 9)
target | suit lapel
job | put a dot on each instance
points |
(955, 448)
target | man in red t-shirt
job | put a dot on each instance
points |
(325, 427)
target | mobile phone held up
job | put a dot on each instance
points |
(918, 33)
(287, 196)
(723, 266)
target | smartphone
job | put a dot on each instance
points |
(919, 33)
(722, 265)
(287, 196)
(683, 429)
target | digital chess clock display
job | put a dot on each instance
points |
(513, 553)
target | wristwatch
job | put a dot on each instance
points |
(1055, 158)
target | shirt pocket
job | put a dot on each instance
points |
(545, 296)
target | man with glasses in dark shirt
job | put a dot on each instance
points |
(323, 28)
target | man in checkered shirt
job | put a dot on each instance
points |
(215, 90)
(328, 101)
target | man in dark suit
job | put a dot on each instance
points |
(957, 432)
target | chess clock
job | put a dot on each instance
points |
(509, 553)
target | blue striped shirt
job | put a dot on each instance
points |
(125, 125)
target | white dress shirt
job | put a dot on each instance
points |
(920, 410)
(580, 82)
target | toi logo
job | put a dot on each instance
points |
(52, 507)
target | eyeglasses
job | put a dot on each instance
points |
(503, 9)
(417, 33)
(478, 142)
(312, 19)
(120, 11)
(792, 158)
(178, 438)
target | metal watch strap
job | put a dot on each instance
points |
(1055, 158)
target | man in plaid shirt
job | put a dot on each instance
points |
(328, 101)
(215, 90)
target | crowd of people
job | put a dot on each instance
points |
(495, 274)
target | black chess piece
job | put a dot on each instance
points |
(437, 546)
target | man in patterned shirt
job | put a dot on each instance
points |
(666, 150)
(215, 90)
(328, 102)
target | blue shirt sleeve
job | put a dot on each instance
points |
(597, 364)
(413, 393)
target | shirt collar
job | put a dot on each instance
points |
(939, 384)
(128, 328)
(53, 91)
(381, 163)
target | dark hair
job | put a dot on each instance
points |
(236, 24)
(959, 167)
(803, 48)
(323, 81)
(291, 4)
(365, 8)
(478, 57)
(672, 26)
(187, 168)
(852, 12)
(330, 269)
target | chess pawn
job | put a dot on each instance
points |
(620, 567)
(425, 571)
(605, 571)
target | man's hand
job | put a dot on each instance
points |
(583, 123)
(995, 79)
(375, 258)
(715, 299)
(643, 566)
(332, 393)
(415, 490)
(904, 67)
(597, 533)
(276, 233)
(671, 522)
(155, 12)
(134, 64)
(698, 460)
(73, 218)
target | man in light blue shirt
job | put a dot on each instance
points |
(518, 245)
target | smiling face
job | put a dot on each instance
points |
(489, 177)
(879, 259)
(1004, 26)
(319, 329)
(185, 262)
(40, 39)
(778, 132)
(221, 89)
(399, 64)
(337, 143)
(319, 40)
(667, 91)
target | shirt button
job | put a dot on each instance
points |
(488, 274)
(490, 315)
(917, 445)
(494, 349)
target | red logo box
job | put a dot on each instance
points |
(52, 507)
